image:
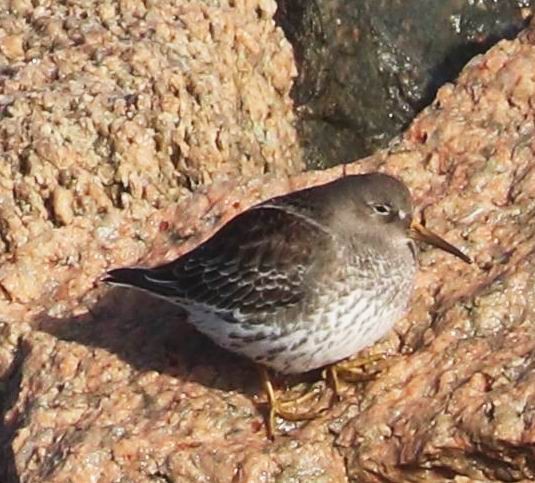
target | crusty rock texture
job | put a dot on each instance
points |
(110, 110)
(111, 385)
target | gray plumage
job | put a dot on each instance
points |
(299, 281)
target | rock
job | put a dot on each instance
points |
(111, 384)
(62, 201)
(110, 112)
(11, 46)
(367, 68)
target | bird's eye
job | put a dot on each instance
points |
(381, 208)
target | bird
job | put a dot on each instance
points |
(301, 281)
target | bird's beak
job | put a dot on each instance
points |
(420, 232)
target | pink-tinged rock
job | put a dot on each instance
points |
(104, 385)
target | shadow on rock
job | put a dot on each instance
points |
(151, 334)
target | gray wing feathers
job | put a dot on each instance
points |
(257, 262)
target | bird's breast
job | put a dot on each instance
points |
(355, 303)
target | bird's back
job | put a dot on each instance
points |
(279, 285)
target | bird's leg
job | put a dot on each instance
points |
(272, 400)
(330, 374)
(284, 408)
(351, 370)
(354, 370)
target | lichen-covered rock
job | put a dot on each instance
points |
(113, 385)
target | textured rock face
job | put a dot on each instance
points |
(131, 105)
(112, 385)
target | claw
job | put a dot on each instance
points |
(283, 408)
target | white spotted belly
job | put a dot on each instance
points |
(350, 328)
(324, 337)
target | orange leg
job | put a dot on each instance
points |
(286, 409)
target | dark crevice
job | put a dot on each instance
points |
(366, 69)
(10, 385)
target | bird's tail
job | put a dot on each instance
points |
(126, 277)
(138, 278)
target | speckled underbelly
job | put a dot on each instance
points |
(333, 335)
(329, 334)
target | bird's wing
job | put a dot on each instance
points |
(262, 260)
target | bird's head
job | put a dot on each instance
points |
(383, 205)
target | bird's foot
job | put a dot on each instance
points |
(290, 409)
(359, 369)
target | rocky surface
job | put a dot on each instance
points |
(109, 111)
(109, 108)
(367, 68)
(110, 385)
